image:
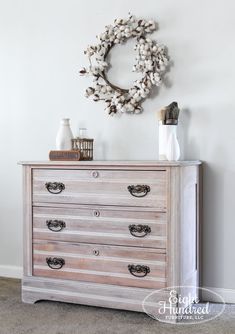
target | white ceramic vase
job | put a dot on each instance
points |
(64, 136)
(164, 134)
(173, 148)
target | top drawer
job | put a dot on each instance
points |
(101, 187)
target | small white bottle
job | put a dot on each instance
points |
(64, 136)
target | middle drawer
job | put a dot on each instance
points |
(111, 226)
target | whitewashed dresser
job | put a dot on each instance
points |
(107, 233)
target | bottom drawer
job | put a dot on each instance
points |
(127, 266)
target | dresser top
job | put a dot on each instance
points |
(114, 163)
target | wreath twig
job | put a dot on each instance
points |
(151, 61)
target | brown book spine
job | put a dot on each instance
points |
(71, 155)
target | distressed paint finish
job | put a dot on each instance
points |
(98, 210)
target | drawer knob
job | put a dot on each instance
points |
(55, 187)
(95, 174)
(55, 225)
(139, 231)
(138, 270)
(96, 213)
(96, 252)
(55, 262)
(139, 190)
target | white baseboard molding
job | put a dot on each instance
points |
(227, 294)
(11, 271)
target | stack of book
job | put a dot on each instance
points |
(66, 155)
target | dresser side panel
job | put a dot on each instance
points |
(27, 220)
(189, 230)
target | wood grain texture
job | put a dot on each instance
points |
(142, 164)
(110, 266)
(103, 295)
(171, 251)
(101, 187)
(188, 232)
(101, 225)
(183, 237)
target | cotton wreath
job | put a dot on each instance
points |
(151, 60)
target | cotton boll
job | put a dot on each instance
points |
(156, 76)
(103, 89)
(130, 107)
(149, 85)
(109, 89)
(119, 106)
(118, 21)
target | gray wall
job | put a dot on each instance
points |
(41, 51)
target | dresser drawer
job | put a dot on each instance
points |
(100, 187)
(101, 225)
(118, 265)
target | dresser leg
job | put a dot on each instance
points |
(29, 297)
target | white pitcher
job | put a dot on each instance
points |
(64, 136)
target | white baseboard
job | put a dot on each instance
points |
(227, 294)
(11, 271)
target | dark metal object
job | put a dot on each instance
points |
(85, 146)
(138, 270)
(55, 187)
(139, 190)
(96, 252)
(55, 262)
(142, 230)
(96, 213)
(55, 225)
